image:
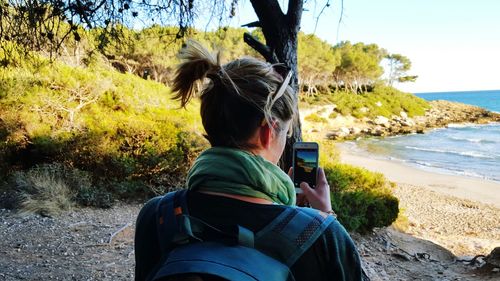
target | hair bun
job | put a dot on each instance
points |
(196, 63)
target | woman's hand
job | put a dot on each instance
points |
(319, 197)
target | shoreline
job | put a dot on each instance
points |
(459, 213)
(463, 187)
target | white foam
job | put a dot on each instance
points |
(463, 153)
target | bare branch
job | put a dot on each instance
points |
(252, 24)
(340, 18)
(327, 4)
(262, 49)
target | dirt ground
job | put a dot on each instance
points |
(76, 245)
(96, 244)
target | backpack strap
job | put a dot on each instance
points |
(176, 226)
(169, 210)
(290, 234)
(285, 239)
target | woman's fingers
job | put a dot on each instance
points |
(318, 197)
(321, 178)
(306, 189)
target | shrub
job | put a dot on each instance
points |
(47, 189)
(123, 130)
(391, 102)
(362, 199)
(328, 152)
(315, 118)
(42, 190)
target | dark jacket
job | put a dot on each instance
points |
(332, 257)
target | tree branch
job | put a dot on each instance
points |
(340, 18)
(252, 24)
(327, 4)
(262, 49)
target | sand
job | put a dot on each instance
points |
(459, 213)
(484, 191)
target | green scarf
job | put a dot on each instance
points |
(235, 171)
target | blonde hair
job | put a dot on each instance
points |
(235, 97)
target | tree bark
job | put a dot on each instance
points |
(281, 34)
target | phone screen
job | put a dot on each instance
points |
(305, 166)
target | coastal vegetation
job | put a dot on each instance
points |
(99, 126)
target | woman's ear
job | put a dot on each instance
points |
(265, 135)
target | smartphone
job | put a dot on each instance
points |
(305, 164)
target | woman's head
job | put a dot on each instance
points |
(239, 98)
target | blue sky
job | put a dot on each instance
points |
(453, 45)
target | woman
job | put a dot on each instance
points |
(247, 108)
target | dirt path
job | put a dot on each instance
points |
(71, 246)
(75, 246)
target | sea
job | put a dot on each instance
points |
(463, 149)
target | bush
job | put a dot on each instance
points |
(42, 190)
(362, 199)
(315, 118)
(383, 100)
(47, 189)
(121, 129)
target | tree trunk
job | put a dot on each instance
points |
(281, 33)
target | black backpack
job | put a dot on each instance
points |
(190, 245)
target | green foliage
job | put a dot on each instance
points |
(399, 65)
(96, 135)
(359, 65)
(362, 199)
(316, 62)
(383, 100)
(315, 118)
(118, 127)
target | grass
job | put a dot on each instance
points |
(315, 118)
(125, 131)
(383, 100)
(42, 190)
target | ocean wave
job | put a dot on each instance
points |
(426, 164)
(472, 154)
(472, 125)
(473, 140)
(462, 125)
(453, 170)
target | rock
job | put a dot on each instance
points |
(381, 120)
(378, 131)
(494, 257)
(364, 109)
(344, 130)
(338, 134)
(379, 103)
(403, 114)
(400, 256)
(420, 130)
(407, 122)
(355, 130)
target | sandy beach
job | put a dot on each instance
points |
(475, 189)
(459, 213)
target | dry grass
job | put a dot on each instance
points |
(42, 191)
(401, 223)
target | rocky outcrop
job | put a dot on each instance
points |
(441, 114)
